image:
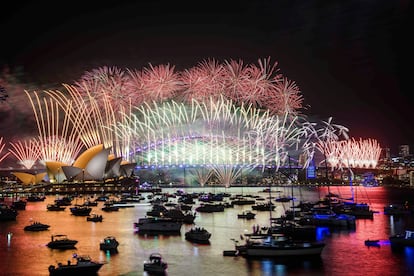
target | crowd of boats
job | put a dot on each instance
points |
(291, 235)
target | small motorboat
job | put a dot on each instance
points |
(155, 264)
(90, 203)
(61, 242)
(198, 235)
(246, 215)
(109, 243)
(95, 218)
(36, 226)
(404, 239)
(110, 207)
(371, 242)
(80, 210)
(84, 266)
(55, 207)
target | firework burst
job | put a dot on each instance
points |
(58, 141)
(353, 154)
(26, 152)
(2, 145)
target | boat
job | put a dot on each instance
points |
(90, 203)
(102, 198)
(176, 214)
(110, 207)
(326, 217)
(157, 210)
(109, 243)
(278, 246)
(84, 266)
(243, 201)
(36, 226)
(94, 218)
(359, 210)
(55, 207)
(64, 201)
(7, 213)
(210, 208)
(284, 199)
(36, 198)
(397, 209)
(246, 215)
(19, 204)
(158, 225)
(405, 239)
(198, 235)
(268, 206)
(372, 243)
(291, 228)
(155, 264)
(61, 241)
(80, 210)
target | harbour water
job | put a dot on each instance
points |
(26, 253)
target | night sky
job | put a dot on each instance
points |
(349, 58)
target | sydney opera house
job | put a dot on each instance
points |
(94, 164)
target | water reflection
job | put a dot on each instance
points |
(286, 266)
(345, 252)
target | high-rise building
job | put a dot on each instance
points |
(404, 150)
(386, 154)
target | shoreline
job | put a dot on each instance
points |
(116, 188)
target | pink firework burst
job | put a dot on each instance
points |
(157, 83)
(204, 81)
(236, 79)
(135, 84)
(285, 98)
(103, 83)
(261, 83)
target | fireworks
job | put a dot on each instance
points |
(26, 152)
(218, 118)
(209, 133)
(57, 140)
(353, 154)
(2, 145)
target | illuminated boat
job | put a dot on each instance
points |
(109, 243)
(406, 239)
(327, 217)
(84, 266)
(278, 246)
(372, 242)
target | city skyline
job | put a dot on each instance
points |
(346, 59)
